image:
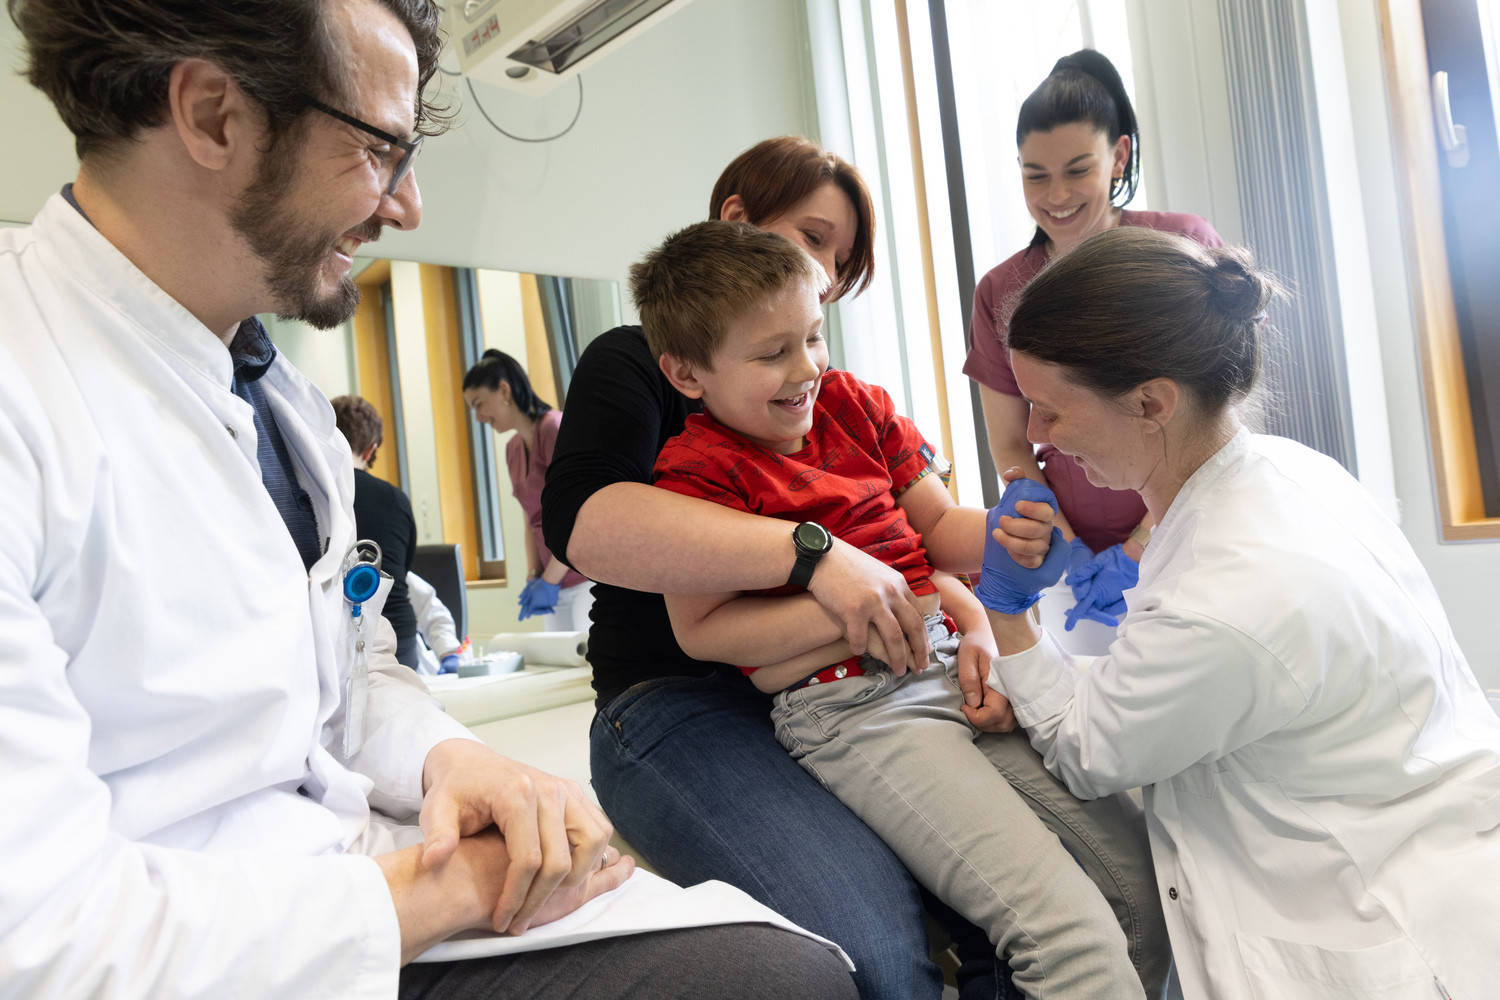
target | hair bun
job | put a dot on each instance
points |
(491, 354)
(1237, 289)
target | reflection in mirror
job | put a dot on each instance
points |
(418, 329)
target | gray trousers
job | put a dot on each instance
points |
(729, 962)
(1064, 888)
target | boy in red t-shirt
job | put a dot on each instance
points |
(733, 314)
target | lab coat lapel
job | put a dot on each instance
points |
(324, 469)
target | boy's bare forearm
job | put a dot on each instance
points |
(780, 676)
(960, 603)
(751, 631)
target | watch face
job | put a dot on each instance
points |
(813, 537)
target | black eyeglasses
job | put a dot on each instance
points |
(408, 147)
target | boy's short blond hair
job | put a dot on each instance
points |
(703, 278)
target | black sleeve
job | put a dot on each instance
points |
(620, 411)
(411, 528)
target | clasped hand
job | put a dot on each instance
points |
(556, 855)
(1024, 553)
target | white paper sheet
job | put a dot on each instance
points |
(643, 904)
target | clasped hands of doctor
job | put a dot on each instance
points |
(505, 846)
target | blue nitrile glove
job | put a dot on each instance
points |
(1004, 584)
(1079, 570)
(538, 597)
(448, 664)
(1099, 594)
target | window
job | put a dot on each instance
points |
(1457, 461)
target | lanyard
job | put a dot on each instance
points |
(361, 583)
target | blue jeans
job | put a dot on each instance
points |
(690, 773)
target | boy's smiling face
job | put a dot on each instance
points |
(766, 372)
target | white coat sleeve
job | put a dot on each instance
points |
(1175, 690)
(85, 911)
(434, 620)
(403, 722)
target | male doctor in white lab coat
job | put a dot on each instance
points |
(203, 787)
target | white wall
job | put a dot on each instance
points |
(661, 118)
(38, 158)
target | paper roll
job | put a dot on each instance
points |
(548, 649)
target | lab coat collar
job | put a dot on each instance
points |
(325, 467)
(1205, 475)
(74, 246)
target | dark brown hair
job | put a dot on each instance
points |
(359, 422)
(1132, 304)
(701, 279)
(1085, 88)
(105, 64)
(495, 367)
(772, 176)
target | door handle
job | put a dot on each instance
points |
(1453, 138)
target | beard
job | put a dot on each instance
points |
(294, 258)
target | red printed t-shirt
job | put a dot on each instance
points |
(1102, 517)
(860, 454)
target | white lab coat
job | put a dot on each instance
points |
(181, 820)
(435, 624)
(1321, 770)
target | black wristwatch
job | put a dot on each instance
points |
(813, 542)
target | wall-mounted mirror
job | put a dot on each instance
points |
(418, 329)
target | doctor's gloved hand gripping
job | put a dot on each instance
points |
(1005, 585)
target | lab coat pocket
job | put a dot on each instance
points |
(1277, 969)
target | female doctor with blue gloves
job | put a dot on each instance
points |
(1321, 769)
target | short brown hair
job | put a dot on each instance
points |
(703, 278)
(773, 175)
(359, 422)
(105, 64)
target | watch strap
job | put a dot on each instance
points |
(802, 569)
(807, 556)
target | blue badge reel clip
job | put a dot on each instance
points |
(361, 583)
